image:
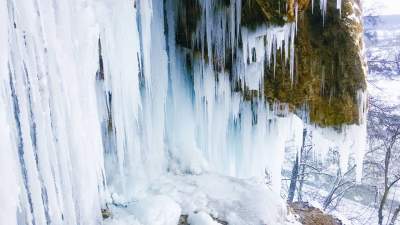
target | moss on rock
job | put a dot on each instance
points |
(188, 16)
(329, 68)
(276, 12)
(257, 12)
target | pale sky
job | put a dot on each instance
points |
(382, 7)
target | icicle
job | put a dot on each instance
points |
(339, 5)
(277, 38)
(9, 190)
(50, 106)
(296, 15)
(361, 132)
(293, 30)
(323, 8)
(145, 15)
(312, 6)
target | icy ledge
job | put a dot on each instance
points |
(205, 199)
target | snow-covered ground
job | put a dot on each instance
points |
(387, 89)
(349, 211)
(205, 199)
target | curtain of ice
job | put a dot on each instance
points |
(92, 84)
(210, 125)
(8, 154)
(50, 136)
(120, 49)
(171, 116)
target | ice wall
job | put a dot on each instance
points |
(51, 141)
(97, 98)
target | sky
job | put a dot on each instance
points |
(382, 7)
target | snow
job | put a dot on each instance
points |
(201, 218)
(388, 7)
(204, 197)
(383, 46)
(157, 210)
(351, 211)
(121, 217)
(385, 88)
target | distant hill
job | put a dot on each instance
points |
(382, 40)
(382, 22)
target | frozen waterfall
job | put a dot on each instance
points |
(97, 98)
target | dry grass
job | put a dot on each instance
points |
(309, 215)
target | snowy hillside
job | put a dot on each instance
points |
(382, 38)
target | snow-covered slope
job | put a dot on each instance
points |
(382, 35)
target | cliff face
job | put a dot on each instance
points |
(327, 77)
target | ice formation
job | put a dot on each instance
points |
(97, 100)
(350, 140)
(202, 198)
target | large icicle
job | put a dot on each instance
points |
(121, 55)
(48, 106)
(9, 190)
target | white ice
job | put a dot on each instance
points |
(82, 126)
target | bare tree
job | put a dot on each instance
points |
(342, 183)
(383, 155)
(306, 166)
(295, 171)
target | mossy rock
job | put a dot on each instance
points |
(329, 69)
(258, 12)
(188, 16)
(106, 213)
(274, 12)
